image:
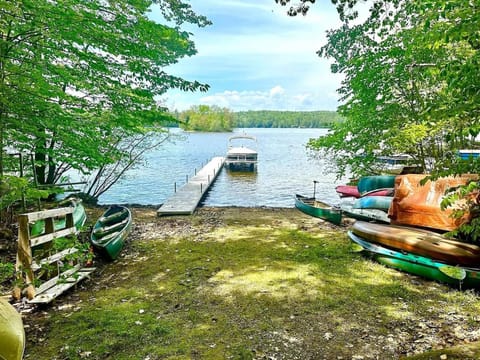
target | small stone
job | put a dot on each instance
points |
(443, 357)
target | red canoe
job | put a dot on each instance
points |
(352, 191)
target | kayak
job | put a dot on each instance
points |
(373, 202)
(419, 242)
(419, 265)
(12, 334)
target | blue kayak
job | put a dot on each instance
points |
(373, 202)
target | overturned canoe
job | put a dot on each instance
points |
(365, 214)
(420, 242)
(12, 334)
(352, 191)
(110, 231)
(373, 202)
(318, 209)
(419, 265)
(374, 182)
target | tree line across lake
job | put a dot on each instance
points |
(216, 119)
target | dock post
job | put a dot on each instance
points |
(201, 190)
(175, 187)
(195, 171)
(186, 178)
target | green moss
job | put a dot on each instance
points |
(241, 292)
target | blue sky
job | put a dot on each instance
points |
(256, 57)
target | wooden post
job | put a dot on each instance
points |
(24, 260)
(314, 187)
(175, 187)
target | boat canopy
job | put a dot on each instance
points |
(244, 136)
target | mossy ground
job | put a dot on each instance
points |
(238, 283)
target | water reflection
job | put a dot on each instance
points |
(284, 169)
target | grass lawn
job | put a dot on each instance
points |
(232, 283)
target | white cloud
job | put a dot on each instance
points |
(254, 56)
(275, 98)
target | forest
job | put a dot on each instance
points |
(214, 118)
(286, 119)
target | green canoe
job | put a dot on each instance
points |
(110, 231)
(79, 217)
(419, 265)
(318, 209)
(374, 182)
(12, 335)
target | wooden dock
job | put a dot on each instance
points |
(186, 199)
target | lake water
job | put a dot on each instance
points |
(284, 169)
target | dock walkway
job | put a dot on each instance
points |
(186, 199)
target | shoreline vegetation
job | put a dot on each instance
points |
(250, 283)
(217, 119)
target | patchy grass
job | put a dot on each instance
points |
(251, 284)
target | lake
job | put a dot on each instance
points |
(285, 168)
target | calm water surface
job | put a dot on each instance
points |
(284, 168)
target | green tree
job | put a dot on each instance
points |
(73, 72)
(206, 118)
(410, 84)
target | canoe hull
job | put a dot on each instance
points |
(111, 230)
(419, 242)
(12, 334)
(369, 183)
(373, 202)
(365, 214)
(419, 265)
(318, 209)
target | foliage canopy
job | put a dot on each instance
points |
(75, 74)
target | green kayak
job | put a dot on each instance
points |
(12, 334)
(318, 209)
(419, 265)
(110, 231)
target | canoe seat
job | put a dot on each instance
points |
(105, 230)
(115, 217)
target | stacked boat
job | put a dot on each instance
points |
(407, 245)
(369, 200)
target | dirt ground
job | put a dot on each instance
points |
(380, 314)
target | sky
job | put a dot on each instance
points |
(255, 57)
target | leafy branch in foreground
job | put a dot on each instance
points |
(73, 72)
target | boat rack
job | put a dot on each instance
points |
(30, 268)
